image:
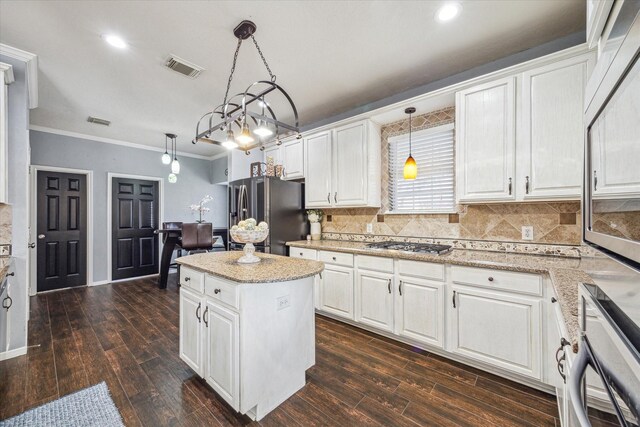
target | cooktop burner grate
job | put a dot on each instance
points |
(426, 248)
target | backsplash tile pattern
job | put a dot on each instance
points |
(552, 222)
(5, 223)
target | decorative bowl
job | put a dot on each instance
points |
(249, 237)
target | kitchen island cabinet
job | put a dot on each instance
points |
(248, 330)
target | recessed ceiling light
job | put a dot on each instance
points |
(115, 41)
(448, 11)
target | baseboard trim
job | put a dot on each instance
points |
(99, 283)
(13, 353)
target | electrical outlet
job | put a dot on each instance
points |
(5, 250)
(283, 302)
(370, 228)
(527, 232)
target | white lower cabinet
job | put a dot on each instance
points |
(374, 299)
(336, 291)
(222, 351)
(191, 329)
(497, 328)
(420, 311)
(311, 254)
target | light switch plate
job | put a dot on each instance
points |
(527, 232)
(283, 302)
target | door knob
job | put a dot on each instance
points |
(31, 245)
(41, 236)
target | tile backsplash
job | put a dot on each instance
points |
(5, 223)
(553, 222)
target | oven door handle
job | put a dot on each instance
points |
(578, 371)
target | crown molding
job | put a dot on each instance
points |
(31, 61)
(117, 142)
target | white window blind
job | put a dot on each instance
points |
(433, 190)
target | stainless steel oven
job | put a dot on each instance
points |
(612, 157)
(606, 372)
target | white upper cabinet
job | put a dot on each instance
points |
(318, 166)
(275, 153)
(292, 156)
(485, 117)
(354, 166)
(521, 137)
(6, 78)
(552, 129)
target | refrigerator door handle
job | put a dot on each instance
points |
(242, 203)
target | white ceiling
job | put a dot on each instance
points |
(330, 56)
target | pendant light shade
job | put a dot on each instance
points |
(172, 178)
(166, 158)
(263, 131)
(410, 171)
(175, 166)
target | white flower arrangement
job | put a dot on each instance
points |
(314, 215)
(200, 208)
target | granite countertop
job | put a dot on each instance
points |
(565, 272)
(271, 268)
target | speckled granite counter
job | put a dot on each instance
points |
(565, 272)
(272, 268)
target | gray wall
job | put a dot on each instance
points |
(18, 166)
(194, 181)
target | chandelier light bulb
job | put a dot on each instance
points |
(245, 135)
(230, 142)
(263, 131)
(172, 178)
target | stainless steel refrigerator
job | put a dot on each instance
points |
(279, 203)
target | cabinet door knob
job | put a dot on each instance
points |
(216, 291)
(595, 181)
(333, 258)
(526, 185)
(510, 185)
(205, 317)
(335, 197)
(198, 311)
(186, 279)
(329, 197)
(300, 253)
(389, 286)
(553, 299)
(490, 279)
(454, 299)
(400, 287)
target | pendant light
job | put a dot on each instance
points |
(175, 164)
(252, 118)
(166, 158)
(410, 171)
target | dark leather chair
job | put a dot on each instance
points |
(197, 237)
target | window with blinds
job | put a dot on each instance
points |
(433, 190)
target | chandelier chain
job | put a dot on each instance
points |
(255, 42)
(233, 68)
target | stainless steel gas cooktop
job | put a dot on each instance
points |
(423, 248)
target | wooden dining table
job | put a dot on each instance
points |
(171, 239)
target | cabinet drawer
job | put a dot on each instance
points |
(223, 291)
(422, 270)
(303, 253)
(192, 279)
(375, 263)
(337, 258)
(509, 281)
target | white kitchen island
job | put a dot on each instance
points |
(248, 329)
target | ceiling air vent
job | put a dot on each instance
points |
(98, 121)
(183, 67)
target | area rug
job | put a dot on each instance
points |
(92, 406)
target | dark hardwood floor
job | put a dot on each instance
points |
(127, 335)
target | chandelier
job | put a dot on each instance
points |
(247, 120)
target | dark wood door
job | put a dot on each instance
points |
(62, 230)
(134, 219)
